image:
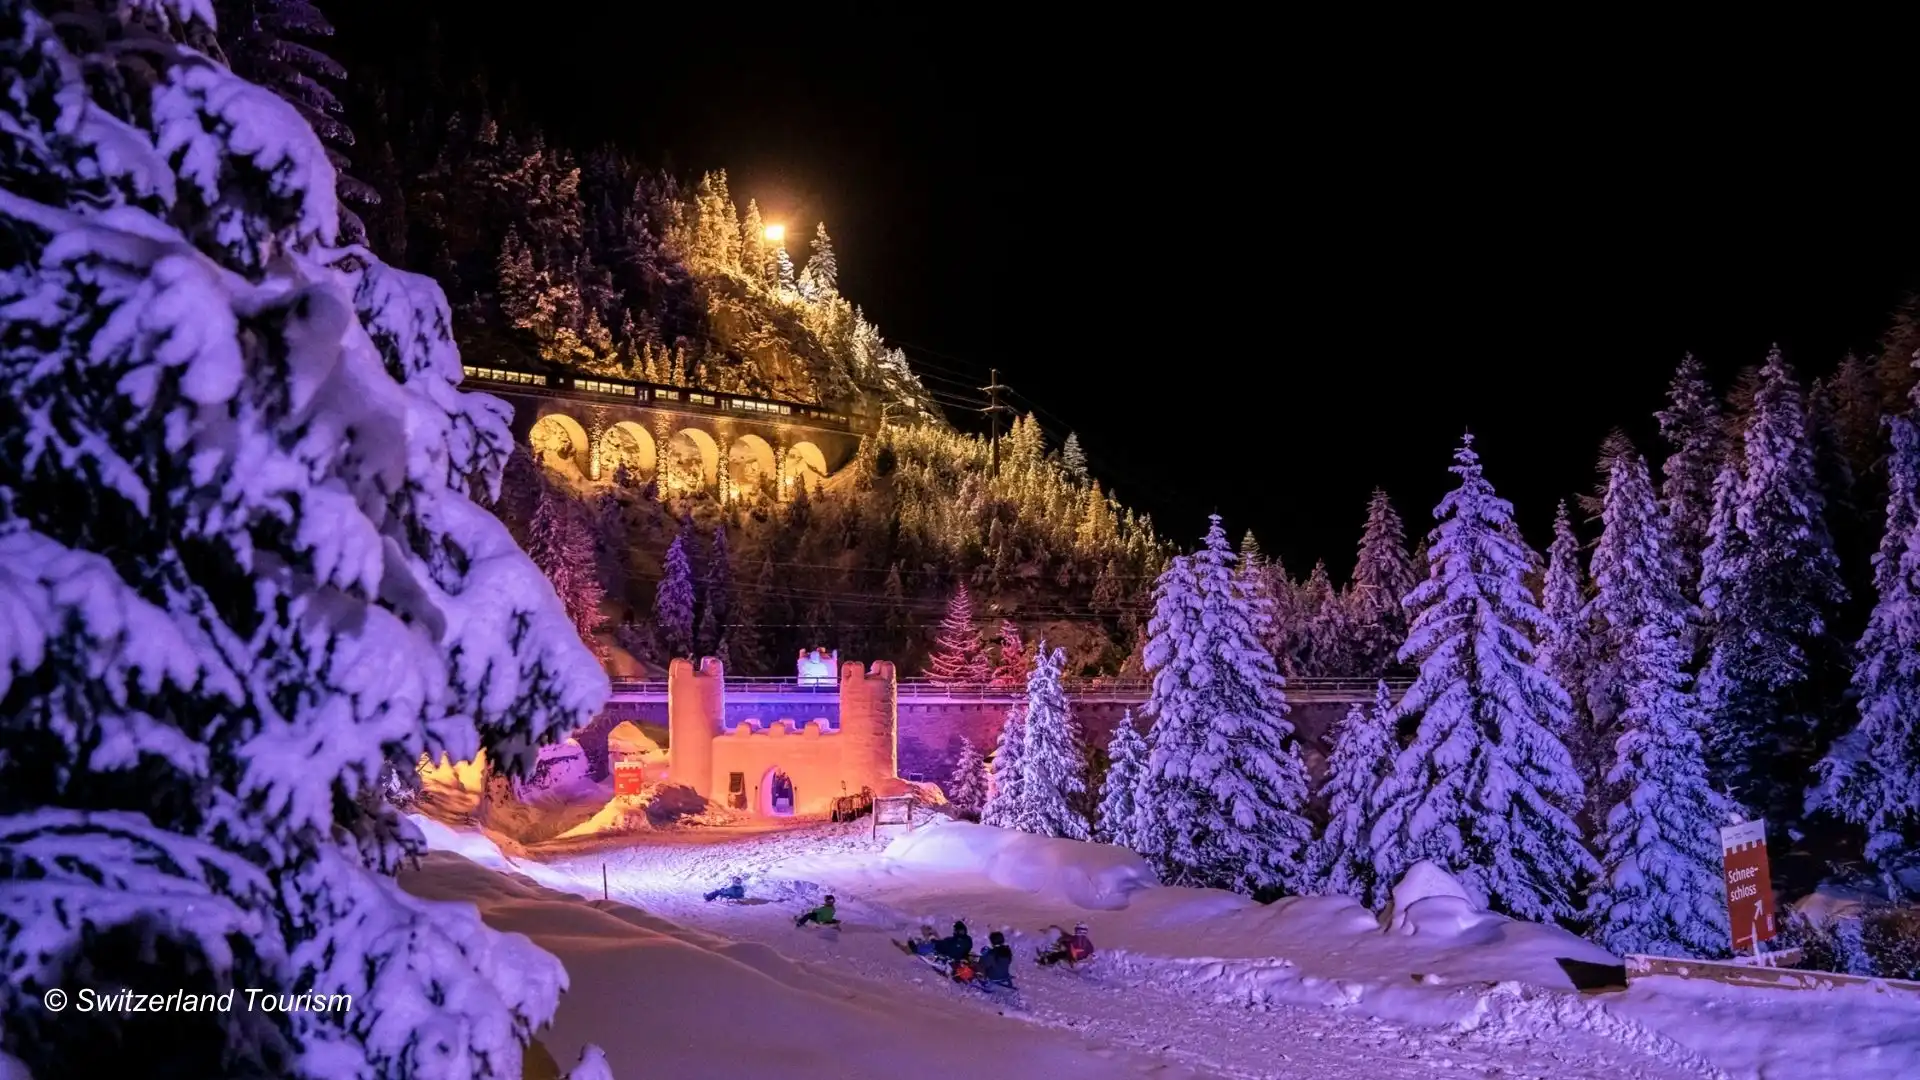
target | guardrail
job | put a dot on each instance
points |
(921, 687)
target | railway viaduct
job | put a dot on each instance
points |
(730, 445)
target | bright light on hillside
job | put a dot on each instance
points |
(776, 233)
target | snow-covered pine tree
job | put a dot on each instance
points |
(1051, 768)
(1771, 586)
(820, 278)
(1004, 773)
(1363, 748)
(244, 572)
(1661, 889)
(1126, 759)
(1011, 662)
(958, 656)
(1225, 789)
(673, 601)
(560, 544)
(1565, 650)
(1328, 626)
(967, 784)
(1073, 459)
(1871, 777)
(1486, 789)
(1383, 575)
(753, 242)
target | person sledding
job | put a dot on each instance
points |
(949, 950)
(996, 963)
(824, 915)
(737, 890)
(1075, 948)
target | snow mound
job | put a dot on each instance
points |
(1093, 876)
(1424, 881)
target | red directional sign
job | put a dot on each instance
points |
(1743, 851)
(628, 778)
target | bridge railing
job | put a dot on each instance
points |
(922, 687)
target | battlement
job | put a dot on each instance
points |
(811, 729)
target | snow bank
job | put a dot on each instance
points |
(663, 1000)
(1850, 1032)
(1093, 876)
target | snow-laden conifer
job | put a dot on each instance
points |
(1871, 777)
(1660, 889)
(1771, 584)
(1051, 768)
(966, 786)
(1383, 575)
(243, 573)
(1486, 789)
(1690, 424)
(1224, 791)
(673, 600)
(1004, 772)
(561, 545)
(1126, 759)
(1363, 748)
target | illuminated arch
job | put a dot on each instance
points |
(804, 464)
(749, 464)
(630, 444)
(692, 461)
(559, 442)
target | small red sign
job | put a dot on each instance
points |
(628, 777)
(1743, 852)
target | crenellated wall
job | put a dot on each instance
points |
(730, 751)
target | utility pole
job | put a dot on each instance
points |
(993, 411)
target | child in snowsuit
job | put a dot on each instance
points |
(824, 915)
(1075, 948)
(735, 891)
(996, 964)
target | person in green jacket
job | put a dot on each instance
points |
(824, 915)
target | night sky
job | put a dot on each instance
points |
(1263, 270)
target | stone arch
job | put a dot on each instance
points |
(693, 461)
(627, 443)
(749, 465)
(559, 442)
(771, 788)
(804, 464)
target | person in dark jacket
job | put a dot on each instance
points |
(951, 949)
(736, 891)
(996, 964)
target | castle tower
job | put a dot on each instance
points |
(869, 722)
(696, 709)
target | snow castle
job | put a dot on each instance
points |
(782, 767)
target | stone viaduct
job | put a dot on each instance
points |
(933, 718)
(730, 445)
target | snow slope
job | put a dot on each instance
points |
(664, 1000)
(1197, 980)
